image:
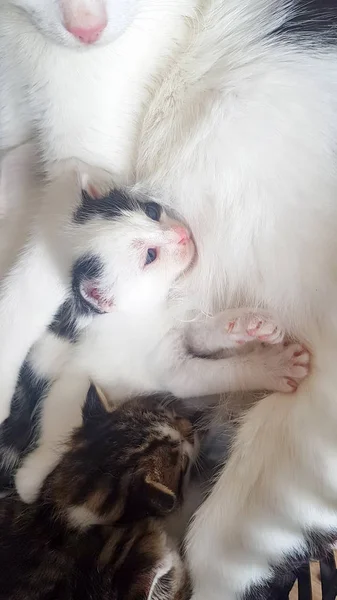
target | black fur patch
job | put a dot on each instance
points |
(318, 545)
(64, 324)
(310, 21)
(108, 207)
(19, 433)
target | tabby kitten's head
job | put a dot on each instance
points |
(123, 465)
(126, 470)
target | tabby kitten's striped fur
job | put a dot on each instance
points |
(97, 530)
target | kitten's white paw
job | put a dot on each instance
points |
(285, 366)
(249, 326)
(31, 475)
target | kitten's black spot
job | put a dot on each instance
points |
(310, 22)
(108, 207)
(89, 267)
(19, 433)
(64, 324)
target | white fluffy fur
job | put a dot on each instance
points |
(240, 134)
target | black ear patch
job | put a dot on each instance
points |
(108, 207)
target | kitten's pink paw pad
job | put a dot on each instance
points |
(296, 364)
(251, 326)
(265, 329)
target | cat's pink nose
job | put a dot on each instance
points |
(88, 35)
(183, 234)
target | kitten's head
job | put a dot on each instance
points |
(128, 252)
(125, 470)
(79, 23)
(125, 465)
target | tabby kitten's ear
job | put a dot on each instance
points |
(159, 496)
(96, 405)
(145, 564)
(170, 580)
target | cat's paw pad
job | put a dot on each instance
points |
(288, 366)
(250, 326)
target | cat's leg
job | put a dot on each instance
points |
(37, 283)
(61, 412)
(276, 498)
(275, 368)
(30, 295)
(32, 288)
(231, 328)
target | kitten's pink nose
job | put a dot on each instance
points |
(88, 35)
(182, 233)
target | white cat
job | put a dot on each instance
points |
(236, 113)
(45, 68)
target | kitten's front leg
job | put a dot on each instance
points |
(275, 368)
(232, 328)
(30, 295)
(61, 412)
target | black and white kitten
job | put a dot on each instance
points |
(118, 256)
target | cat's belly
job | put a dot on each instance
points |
(258, 194)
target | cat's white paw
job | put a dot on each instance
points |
(31, 475)
(284, 366)
(249, 326)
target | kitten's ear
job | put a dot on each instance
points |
(89, 187)
(95, 182)
(151, 569)
(96, 405)
(169, 579)
(158, 496)
(17, 171)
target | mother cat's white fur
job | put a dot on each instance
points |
(242, 133)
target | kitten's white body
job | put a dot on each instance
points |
(130, 353)
(241, 135)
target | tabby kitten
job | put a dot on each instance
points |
(97, 530)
